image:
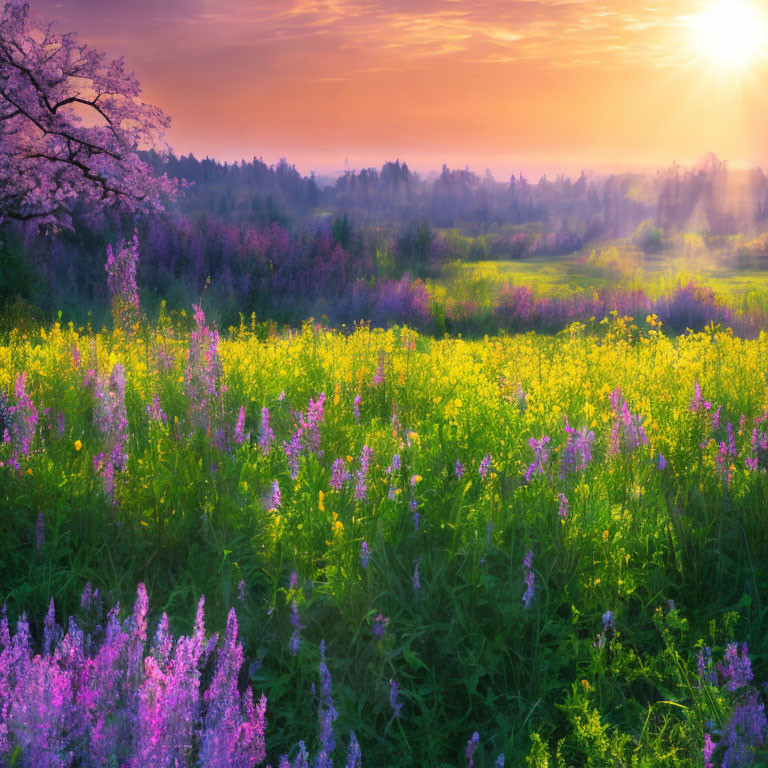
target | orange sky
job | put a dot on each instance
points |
(533, 85)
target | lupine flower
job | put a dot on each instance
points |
(121, 283)
(529, 579)
(662, 463)
(307, 435)
(394, 465)
(737, 667)
(380, 625)
(23, 418)
(705, 667)
(540, 457)
(89, 597)
(365, 554)
(416, 579)
(339, 475)
(416, 521)
(759, 458)
(154, 410)
(499, 761)
(241, 591)
(276, 498)
(472, 745)
(628, 433)
(577, 453)
(394, 690)
(326, 711)
(240, 437)
(295, 640)
(203, 374)
(233, 729)
(458, 470)
(293, 581)
(745, 732)
(109, 416)
(356, 407)
(563, 507)
(485, 466)
(120, 706)
(698, 404)
(378, 377)
(608, 622)
(354, 757)
(266, 435)
(709, 748)
(361, 488)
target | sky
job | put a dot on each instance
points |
(508, 85)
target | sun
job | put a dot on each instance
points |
(731, 34)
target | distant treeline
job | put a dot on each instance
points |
(709, 197)
(266, 240)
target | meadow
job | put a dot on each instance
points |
(544, 549)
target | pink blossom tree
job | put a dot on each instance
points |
(71, 124)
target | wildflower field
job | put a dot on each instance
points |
(538, 550)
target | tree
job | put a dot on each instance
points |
(71, 124)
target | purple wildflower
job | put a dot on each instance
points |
(276, 498)
(121, 283)
(394, 465)
(326, 711)
(266, 435)
(609, 625)
(662, 463)
(499, 761)
(540, 457)
(698, 404)
(380, 625)
(154, 410)
(394, 690)
(472, 745)
(307, 435)
(109, 416)
(23, 422)
(356, 407)
(563, 507)
(378, 377)
(361, 488)
(737, 667)
(628, 433)
(529, 579)
(709, 748)
(203, 374)
(705, 667)
(485, 466)
(339, 475)
(354, 756)
(459, 470)
(416, 578)
(365, 554)
(240, 437)
(577, 453)
(295, 640)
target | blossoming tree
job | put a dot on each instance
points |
(71, 124)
